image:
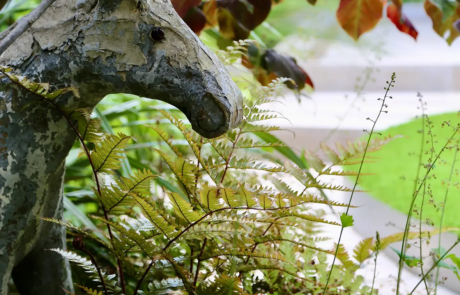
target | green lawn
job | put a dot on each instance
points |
(397, 165)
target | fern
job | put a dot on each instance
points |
(107, 155)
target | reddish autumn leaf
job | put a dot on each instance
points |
(441, 25)
(237, 18)
(401, 21)
(183, 6)
(359, 16)
(195, 19)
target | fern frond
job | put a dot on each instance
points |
(216, 231)
(343, 173)
(164, 136)
(317, 200)
(314, 161)
(118, 194)
(165, 285)
(89, 291)
(246, 197)
(330, 153)
(385, 242)
(184, 171)
(132, 236)
(183, 208)
(343, 256)
(247, 163)
(307, 217)
(248, 143)
(89, 267)
(153, 215)
(249, 268)
(76, 229)
(250, 128)
(245, 253)
(89, 129)
(210, 198)
(107, 155)
(363, 249)
(41, 89)
(273, 238)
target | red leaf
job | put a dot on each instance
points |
(401, 21)
(237, 18)
(195, 19)
(183, 6)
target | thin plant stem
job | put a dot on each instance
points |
(199, 263)
(442, 214)
(390, 84)
(435, 265)
(93, 260)
(139, 283)
(409, 215)
(377, 251)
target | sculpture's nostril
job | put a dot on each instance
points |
(210, 116)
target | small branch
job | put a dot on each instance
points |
(191, 260)
(143, 277)
(98, 270)
(24, 24)
(199, 262)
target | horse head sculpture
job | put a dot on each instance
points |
(141, 47)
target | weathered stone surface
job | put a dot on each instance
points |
(99, 47)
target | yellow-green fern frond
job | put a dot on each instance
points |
(164, 136)
(40, 89)
(185, 171)
(118, 194)
(248, 143)
(273, 238)
(363, 249)
(246, 197)
(216, 232)
(306, 217)
(330, 153)
(108, 154)
(89, 129)
(153, 215)
(76, 229)
(210, 198)
(314, 161)
(110, 281)
(183, 208)
(343, 256)
(89, 291)
(134, 237)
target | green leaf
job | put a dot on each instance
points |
(410, 261)
(347, 220)
(108, 154)
(363, 249)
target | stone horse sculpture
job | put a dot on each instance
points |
(100, 47)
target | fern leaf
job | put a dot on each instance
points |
(183, 208)
(89, 129)
(86, 264)
(344, 153)
(343, 173)
(249, 128)
(247, 143)
(184, 170)
(118, 194)
(314, 161)
(230, 197)
(89, 291)
(246, 197)
(76, 229)
(330, 153)
(108, 153)
(363, 249)
(210, 198)
(216, 232)
(272, 238)
(307, 217)
(133, 237)
(385, 242)
(164, 136)
(157, 220)
(343, 256)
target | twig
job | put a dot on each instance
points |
(390, 84)
(199, 262)
(434, 265)
(143, 277)
(23, 24)
(93, 260)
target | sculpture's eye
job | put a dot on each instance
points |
(157, 34)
